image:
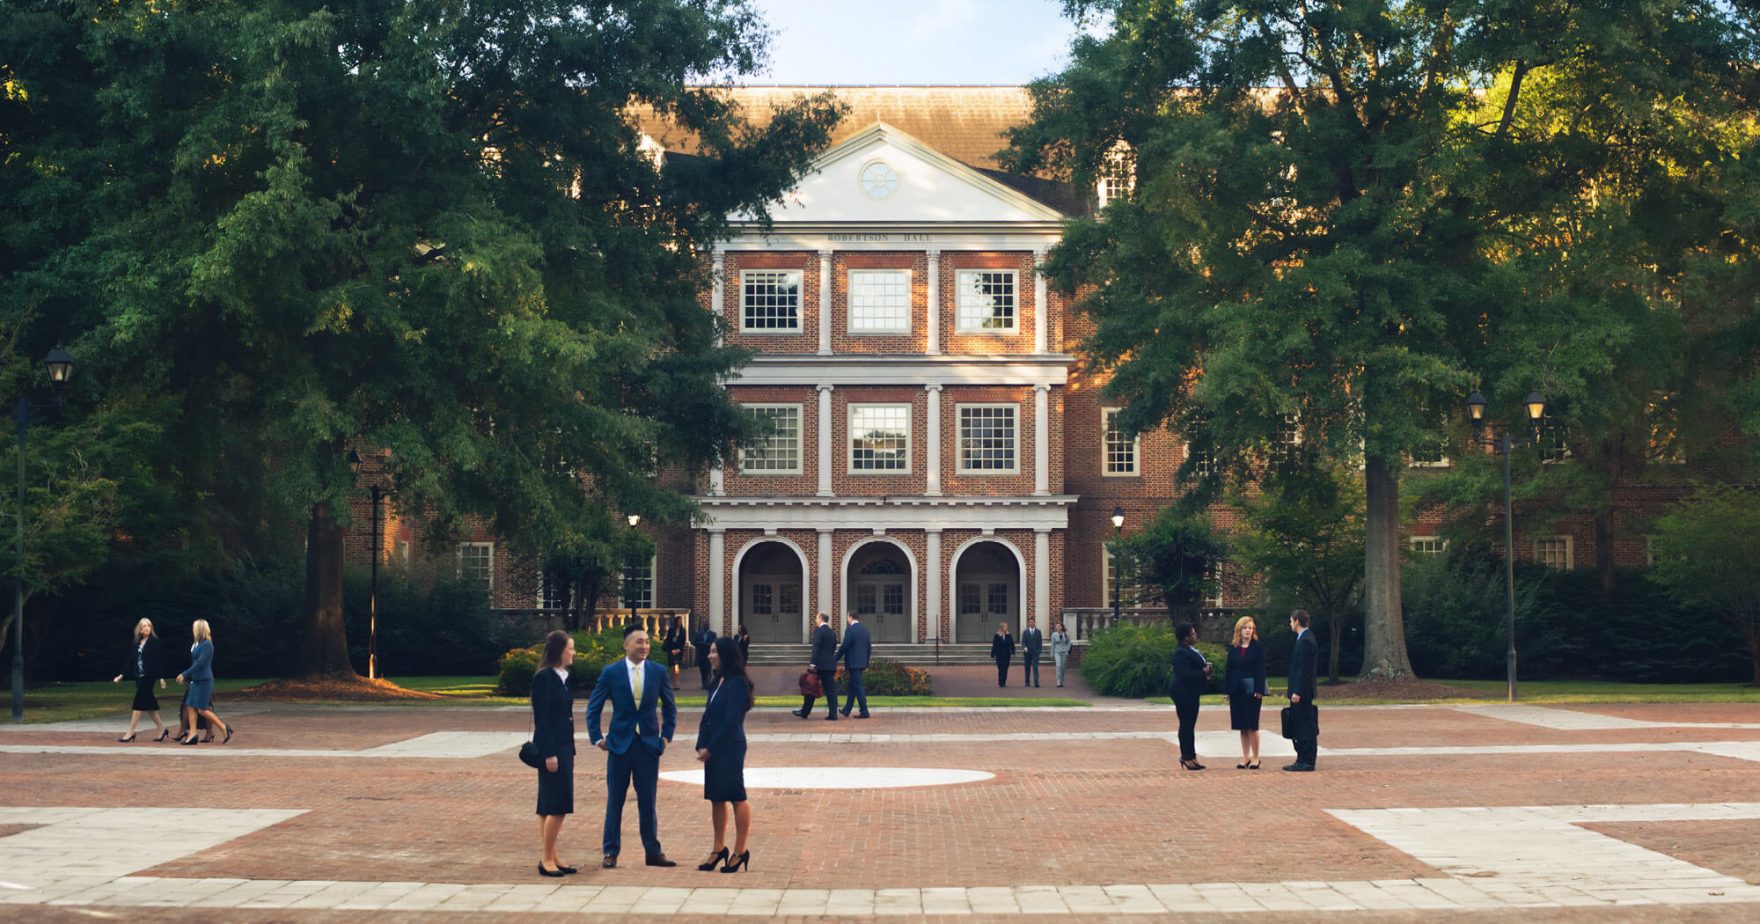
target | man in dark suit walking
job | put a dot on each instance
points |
(1304, 664)
(1032, 640)
(635, 741)
(823, 663)
(702, 640)
(854, 655)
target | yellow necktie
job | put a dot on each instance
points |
(636, 688)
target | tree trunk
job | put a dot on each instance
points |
(324, 649)
(1337, 626)
(1384, 631)
(1604, 548)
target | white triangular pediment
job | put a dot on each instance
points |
(883, 175)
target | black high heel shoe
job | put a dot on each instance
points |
(557, 874)
(127, 738)
(191, 740)
(163, 735)
(715, 859)
(1191, 765)
(745, 858)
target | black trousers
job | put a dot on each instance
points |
(828, 680)
(1187, 709)
(1002, 671)
(1308, 744)
(1030, 669)
(703, 666)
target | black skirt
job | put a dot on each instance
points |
(1243, 712)
(144, 700)
(556, 790)
(724, 775)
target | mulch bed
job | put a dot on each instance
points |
(358, 689)
(1400, 690)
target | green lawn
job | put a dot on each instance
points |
(62, 702)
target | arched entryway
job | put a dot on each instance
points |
(771, 577)
(987, 590)
(879, 588)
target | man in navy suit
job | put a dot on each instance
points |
(1304, 664)
(635, 741)
(823, 663)
(702, 640)
(854, 655)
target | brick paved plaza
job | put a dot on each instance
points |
(317, 814)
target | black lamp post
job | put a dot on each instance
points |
(60, 368)
(629, 594)
(1536, 408)
(1117, 579)
(354, 463)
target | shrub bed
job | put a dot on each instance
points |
(1137, 661)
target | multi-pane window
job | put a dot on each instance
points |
(777, 451)
(638, 585)
(1119, 449)
(1427, 545)
(1288, 438)
(971, 599)
(1553, 551)
(1203, 461)
(880, 437)
(987, 438)
(763, 599)
(1215, 577)
(476, 564)
(552, 593)
(1117, 174)
(770, 301)
(879, 301)
(1116, 579)
(1554, 445)
(987, 300)
(1431, 453)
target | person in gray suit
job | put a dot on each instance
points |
(823, 663)
(1304, 718)
(854, 654)
(1060, 648)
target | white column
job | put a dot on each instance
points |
(932, 465)
(932, 310)
(1041, 439)
(932, 596)
(1041, 310)
(717, 581)
(825, 319)
(824, 426)
(1042, 578)
(718, 291)
(826, 565)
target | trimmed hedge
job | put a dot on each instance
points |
(1137, 661)
(889, 678)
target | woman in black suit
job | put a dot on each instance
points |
(1246, 688)
(721, 746)
(553, 736)
(1002, 652)
(144, 665)
(675, 642)
(745, 645)
(1191, 673)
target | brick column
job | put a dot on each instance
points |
(932, 596)
(718, 580)
(825, 440)
(825, 303)
(932, 310)
(1041, 439)
(1042, 578)
(1041, 312)
(932, 467)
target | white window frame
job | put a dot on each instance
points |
(653, 584)
(1559, 450)
(1108, 561)
(850, 435)
(800, 306)
(1289, 436)
(1107, 428)
(961, 291)
(1207, 469)
(1442, 461)
(1117, 172)
(960, 439)
(1570, 556)
(800, 431)
(849, 301)
(1413, 541)
(541, 602)
(1216, 571)
(489, 569)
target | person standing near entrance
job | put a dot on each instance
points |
(675, 642)
(635, 741)
(1191, 674)
(702, 640)
(1060, 648)
(1032, 642)
(854, 654)
(823, 663)
(1002, 652)
(1304, 718)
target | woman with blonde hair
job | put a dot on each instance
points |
(1246, 688)
(200, 677)
(144, 665)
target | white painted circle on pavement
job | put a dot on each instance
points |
(841, 777)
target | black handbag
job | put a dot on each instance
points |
(528, 755)
(1285, 730)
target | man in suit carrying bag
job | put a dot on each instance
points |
(1304, 719)
(854, 655)
(702, 640)
(823, 663)
(635, 740)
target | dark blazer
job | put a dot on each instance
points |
(1188, 675)
(629, 724)
(675, 640)
(745, 648)
(1001, 647)
(824, 649)
(1248, 665)
(201, 662)
(1031, 641)
(855, 648)
(1304, 661)
(552, 715)
(703, 639)
(152, 659)
(724, 720)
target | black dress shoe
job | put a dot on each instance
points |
(659, 859)
(553, 874)
(862, 716)
(797, 713)
(1300, 768)
(567, 870)
(610, 861)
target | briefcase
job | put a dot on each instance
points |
(1286, 729)
(810, 685)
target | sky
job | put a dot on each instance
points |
(914, 41)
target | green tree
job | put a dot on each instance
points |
(1329, 251)
(1706, 547)
(1303, 533)
(1173, 561)
(427, 228)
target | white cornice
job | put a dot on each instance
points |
(886, 513)
(810, 370)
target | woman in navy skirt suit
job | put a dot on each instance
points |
(553, 736)
(721, 746)
(1246, 688)
(199, 700)
(143, 664)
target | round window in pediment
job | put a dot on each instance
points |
(879, 180)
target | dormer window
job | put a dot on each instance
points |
(1118, 175)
